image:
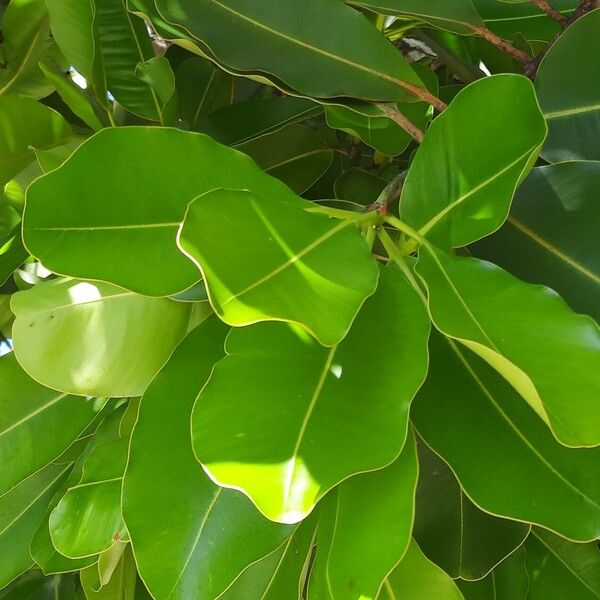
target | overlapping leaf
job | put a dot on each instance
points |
(273, 38)
(294, 266)
(374, 510)
(124, 193)
(570, 96)
(183, 527)
(285, 420)
(535, 479)
(467, 194)
(509, 323)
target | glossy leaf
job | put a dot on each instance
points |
(373, 511)
(454, 15)
(550, 235)
(570, 97)
(26, 41)
(507, 325)
(238, 123)
(418, 579)
(201, 89)
(21, 512)
(282, 573)
(561, 569)
(468, 194)
(25, 123)
(182, 526)
(452, 531)
(94, 339)
(297, 155)
(536, 479)
(12, 253)
(508, 581)
(39, 422)
(285, 420)
(296, 266)
(87, 520)
(159, 76)
(124, 193)
(274, 38)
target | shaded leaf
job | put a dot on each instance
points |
(570, 95)
(541, 482)
(182, 526)
(507, 322)
(371, 516)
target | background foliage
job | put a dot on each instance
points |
(298, 300)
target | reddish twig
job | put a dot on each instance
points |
(545, 6)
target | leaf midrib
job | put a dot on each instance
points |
(517, 431)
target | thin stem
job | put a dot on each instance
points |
(545, 6)
(400, 119)
(346, 215)
(463, 69)
(425, 96)
(503, 45)
(395, 255)
(404, 228)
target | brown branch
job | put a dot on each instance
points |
(546, 7)
(400, 119)
(425, 96)
(531, 67)
(503, 45)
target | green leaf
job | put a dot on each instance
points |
(359, 186)
(274, 38)
(124, 193)
(51, 159)
(297, 155)
(105, 43)
(468, 193)
(296, 266)
(457, 16)
(21, 512)
(418, 579)
(87, 520)
(478, 424)
(285, 420)
(282, 573)
(191, 538)
(157, 73)
(94, 339)
(25, 123)
(238, 123)
(508, 581)
(509, 20)
(452, 531)
(561, 569)
(27, 40)
(201, 89)
(550, 235)
(364, 513)
(507, 322)
(73, 96)
(37, 422)
(12, 253)
(568, 89)
(121, 586)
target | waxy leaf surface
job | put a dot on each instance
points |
(124, 193)
(467, 194)
(274, 38)
(191, 538)
(508, 322)
(535, 479)
(374, 510)
(287, 264)
(95, 339)
(285, 420)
